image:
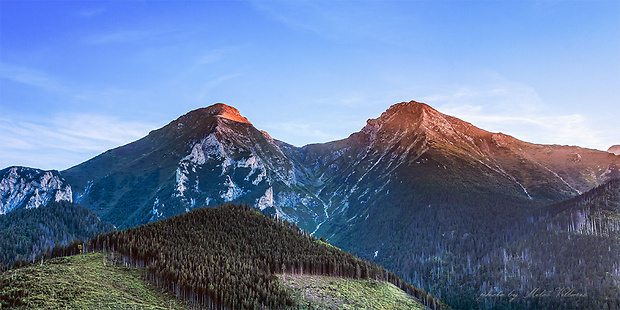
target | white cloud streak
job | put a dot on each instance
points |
(517, 109)
(71, 138)
(338, 21)
(30, 77)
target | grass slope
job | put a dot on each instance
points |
(87, 281)
(322, 292)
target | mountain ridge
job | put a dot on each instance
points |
(414, 190)
(293, 182)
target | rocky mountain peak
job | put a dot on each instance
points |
(407, 111)
(225, 111)
(196, 118)
(416, 117)
(398, 115)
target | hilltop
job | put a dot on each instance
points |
(229, 257)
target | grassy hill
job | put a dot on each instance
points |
(87, 281)
(321, 292)
(94, 281)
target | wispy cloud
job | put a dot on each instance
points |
(517, 109)
(77, 136)
(100, 128)
(30, 77)
(124, 36)
(338, 20)
(219, 80)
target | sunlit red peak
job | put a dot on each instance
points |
(225, 111)
(614, 150)
(411, 109)
(406, 113)
(266, 135)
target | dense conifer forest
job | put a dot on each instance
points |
(227, 258)
(29, 233)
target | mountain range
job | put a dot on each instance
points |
(420, 192)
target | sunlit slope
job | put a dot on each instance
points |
(339, 293)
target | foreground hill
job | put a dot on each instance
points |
(96, 281)
(228, 257)
(322, 292)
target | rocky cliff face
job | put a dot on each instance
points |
(27, 188)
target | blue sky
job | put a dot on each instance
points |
(80, 77)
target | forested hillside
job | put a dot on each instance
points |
(28, 233)
(227, 257)
(564, 256)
